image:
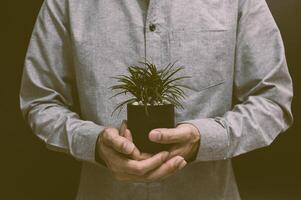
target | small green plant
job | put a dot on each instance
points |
(150, 86)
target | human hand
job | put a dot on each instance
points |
(185, 139)
(127, 163)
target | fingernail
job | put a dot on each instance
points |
(183, 163)
(129, 147)
(155, 135)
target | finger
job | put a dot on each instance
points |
(180, 166)
(112, 158)
(128, 135)
(116, 163)
(175, 150)
(167, 169)
(178, 150)
(125, 131)
(136, 155)
(142, 167)
(119, 143)
(171, 135)
(119, 165)
(155, 174)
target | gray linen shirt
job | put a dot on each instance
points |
(232, 48)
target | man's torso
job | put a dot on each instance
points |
(109, 35)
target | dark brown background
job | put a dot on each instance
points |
(30, 171)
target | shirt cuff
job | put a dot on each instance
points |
(84, 141)
(214, 141)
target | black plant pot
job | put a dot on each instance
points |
(160, 116)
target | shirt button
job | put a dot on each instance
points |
(152, 27)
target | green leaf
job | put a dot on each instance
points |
(148, 84)
(121, 105)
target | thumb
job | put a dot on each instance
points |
(125, 132)
(122, 128)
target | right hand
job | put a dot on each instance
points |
(127, 163)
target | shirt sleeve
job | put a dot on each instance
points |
(262, 86)
(47, 99)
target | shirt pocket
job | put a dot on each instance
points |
(203, 53)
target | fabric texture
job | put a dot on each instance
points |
(232, 49)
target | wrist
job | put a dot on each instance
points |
(98, 158)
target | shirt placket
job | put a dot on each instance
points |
(157, 33)
(156, 51)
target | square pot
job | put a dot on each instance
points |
(160, 116)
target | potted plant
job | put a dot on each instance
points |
(156, 93)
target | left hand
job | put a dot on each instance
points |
(185, 139)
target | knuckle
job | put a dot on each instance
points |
(123, 145)
(194, 136)
(188, 137)
(193, 131)
(165, 137)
